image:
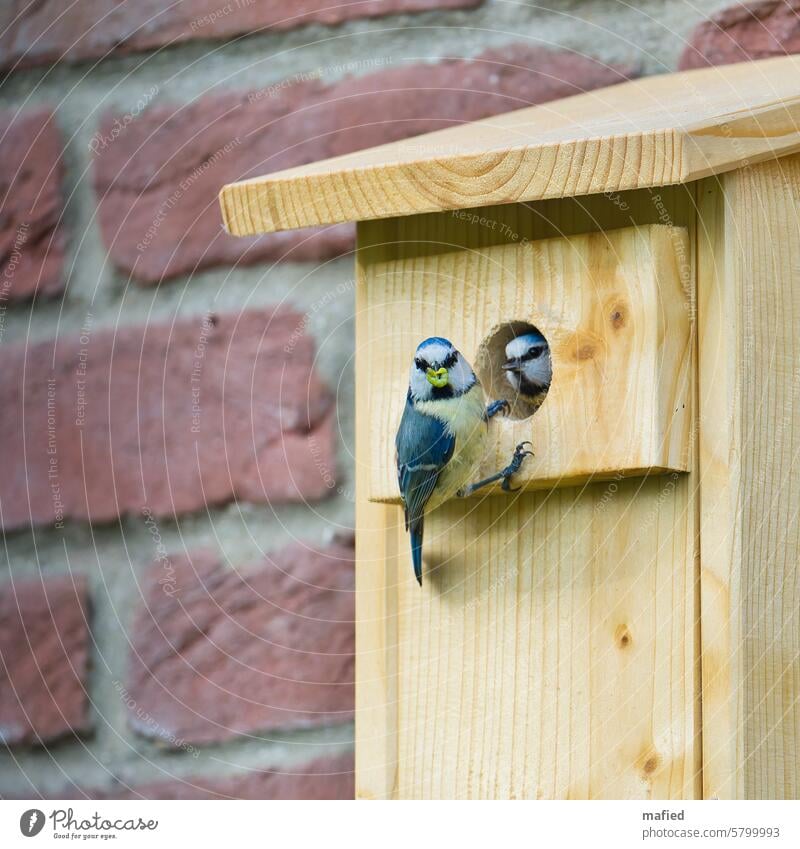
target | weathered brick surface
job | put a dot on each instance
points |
(40, 33)
(755, 30)
(31, 245)
(323, 778)
(157, 182)
(164, 418)
(44, 659)
(218, 653)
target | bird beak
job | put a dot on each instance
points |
(512, 365)
(437, 377)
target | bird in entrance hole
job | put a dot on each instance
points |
(528, 366)
(442, 436)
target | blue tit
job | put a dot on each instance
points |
(442, 436)
(528, 367)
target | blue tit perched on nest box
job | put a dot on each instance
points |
(442, 436)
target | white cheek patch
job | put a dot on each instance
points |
(539, 371)
(517, 347)
(418, 384)
(461, 376)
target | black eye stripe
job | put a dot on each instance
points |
(533, 353)
(449, 362)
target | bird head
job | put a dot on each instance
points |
(439, 371)
(528, 366)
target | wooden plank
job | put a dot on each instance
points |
(650, 132)
(614, 308)
(376, 612)
(749, 327)
(551, 651)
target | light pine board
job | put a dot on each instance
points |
(376, 604)
(650, 132)
(615, 306)
(553, 649)
(549, 653)
(749, 383)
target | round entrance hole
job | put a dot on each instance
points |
(496, 369)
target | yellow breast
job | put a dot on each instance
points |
(464, 418)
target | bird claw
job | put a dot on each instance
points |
(500, 406)
(520, 453)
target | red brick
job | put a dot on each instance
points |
(42, 33)
(124, 436)
(217, 653)
(745, 31)
(44, 659)
(31, 245)
(154, 227)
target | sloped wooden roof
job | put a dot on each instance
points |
(651, 132)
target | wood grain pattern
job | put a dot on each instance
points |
(651, 132)
(749, 382)
(551, 651)
(616, 308)
(376, 615)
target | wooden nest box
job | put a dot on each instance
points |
(628, 624)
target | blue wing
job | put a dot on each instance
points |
(424, 447)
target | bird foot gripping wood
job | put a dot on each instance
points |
(495, 407)
(520, 453)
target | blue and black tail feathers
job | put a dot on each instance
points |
(416, 527)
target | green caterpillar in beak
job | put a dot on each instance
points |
(437, 377)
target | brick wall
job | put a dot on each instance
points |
(176, 435)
